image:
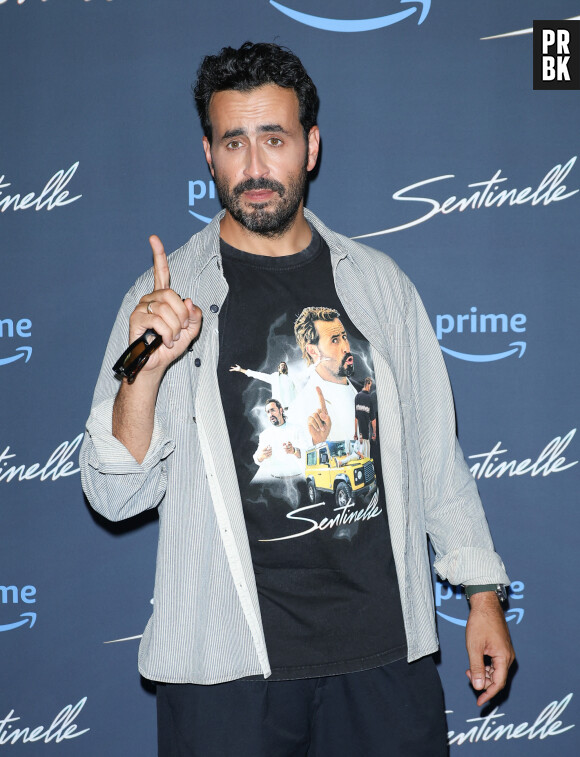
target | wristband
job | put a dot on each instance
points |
(498, 589)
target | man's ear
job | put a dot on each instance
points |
(313, 351)
(313, 147)
(207, 151)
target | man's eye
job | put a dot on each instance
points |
(275, 141)
(234, 144)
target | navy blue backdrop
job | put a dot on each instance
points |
(437, 150)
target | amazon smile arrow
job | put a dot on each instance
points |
(22, 350)
(354, 24)
(28, 617)
(517, 346)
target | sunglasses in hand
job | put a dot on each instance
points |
(136, 355)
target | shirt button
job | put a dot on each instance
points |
(214, 308)
(197, 362)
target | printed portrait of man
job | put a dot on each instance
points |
(282, 385)
(278, 454)
(325, 407)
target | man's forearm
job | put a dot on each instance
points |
(134, 414)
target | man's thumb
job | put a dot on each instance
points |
(476, 674)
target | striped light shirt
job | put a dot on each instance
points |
(206, 626)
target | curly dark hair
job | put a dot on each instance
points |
(252, 66)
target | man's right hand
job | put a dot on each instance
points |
(177, 321)
(264, 453)
(319, 423)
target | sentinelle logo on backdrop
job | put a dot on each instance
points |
(489, 193)
(53, 195)
(557, 54)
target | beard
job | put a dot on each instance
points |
(346, 370)
(274, 420)
(260, 219)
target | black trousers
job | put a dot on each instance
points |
(396, 710)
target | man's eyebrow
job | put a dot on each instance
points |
(262, 129)
(233, 133)
(271, 127)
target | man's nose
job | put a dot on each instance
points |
(256, 166)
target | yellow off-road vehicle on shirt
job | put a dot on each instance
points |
(332, 467)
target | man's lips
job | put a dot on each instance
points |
(349, 360)
(258, 195)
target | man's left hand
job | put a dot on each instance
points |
(487, 634)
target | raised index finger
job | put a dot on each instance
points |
(160, 267)
(321, 399)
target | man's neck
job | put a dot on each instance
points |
(328, 376)
(295, 239)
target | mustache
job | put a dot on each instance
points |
(346, 357)
(251, 184)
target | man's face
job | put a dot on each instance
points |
(283, 368)
(332, 356)
(274, 414)
(259, 157)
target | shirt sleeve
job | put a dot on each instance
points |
(454, 516)
(373, 407)
(116, 485)
(267, 377)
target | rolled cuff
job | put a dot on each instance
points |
(109, 455)
(471, 566)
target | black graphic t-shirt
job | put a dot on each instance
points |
(291, 365)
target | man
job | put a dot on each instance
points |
(365, 417)
(277, 454)
(357, 452)
(324, 408)
(268, 636)
(281, 383)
